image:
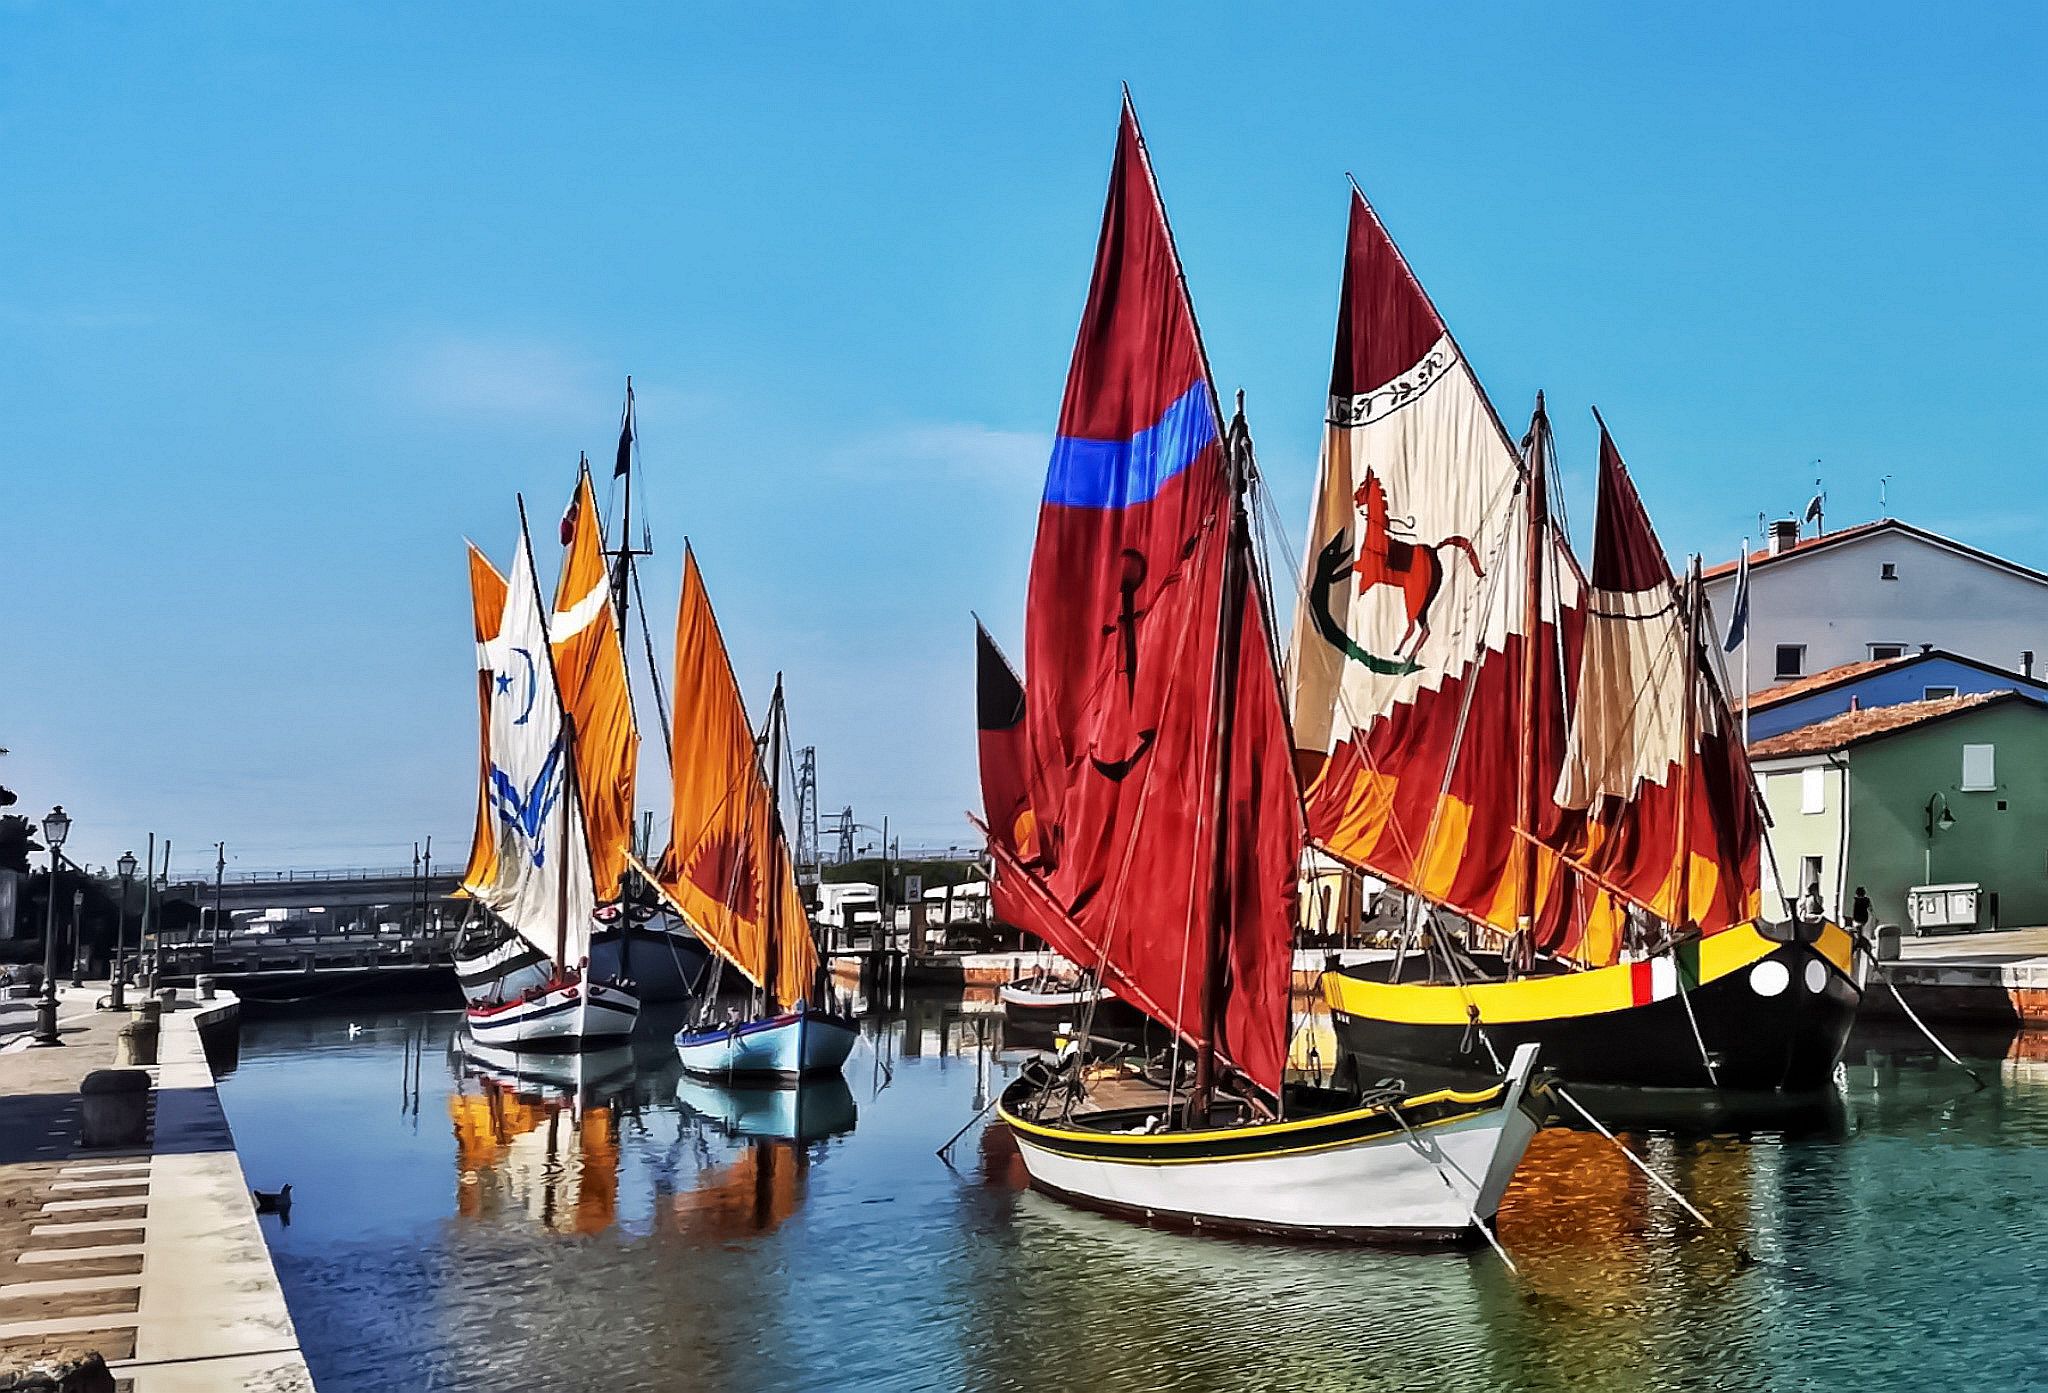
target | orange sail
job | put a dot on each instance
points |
(487, 603)
(590, 662)
(727, 867)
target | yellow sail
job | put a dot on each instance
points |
(590, 663)
(727, 867)
(487, 601)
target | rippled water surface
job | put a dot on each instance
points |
(458, 1227)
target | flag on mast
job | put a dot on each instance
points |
(1738, 608)
(624, 462)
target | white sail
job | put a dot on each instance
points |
(532, 787)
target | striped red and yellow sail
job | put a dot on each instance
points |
(1412, 632)
(1634, 754)
(727, 866)
(590, 662)
(487, 608)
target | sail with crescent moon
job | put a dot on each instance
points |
(541, 883)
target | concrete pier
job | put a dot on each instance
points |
(152, 1255)
(1991, 979)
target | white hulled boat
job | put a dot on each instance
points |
(1145, 818)
(585, 626)
(539, 874)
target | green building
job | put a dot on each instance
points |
(1950, 791)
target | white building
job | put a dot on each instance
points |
(1879, 590)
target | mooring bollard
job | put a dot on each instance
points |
(116, 1111)
(167, 998)
(137, 1042)
(148, 1009)
(1887, 943)
(204, 986)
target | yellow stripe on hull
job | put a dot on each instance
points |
(1589, 993)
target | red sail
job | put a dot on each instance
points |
(1628, 764)
(1005, 801)
(1413, 629)
(1121, 642)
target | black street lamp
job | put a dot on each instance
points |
(56, 827)
(117, 989)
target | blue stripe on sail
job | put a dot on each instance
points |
(1120, 473)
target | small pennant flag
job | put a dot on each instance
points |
(1738, 609)
(625, 460)
(569, 518)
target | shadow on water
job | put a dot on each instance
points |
(464, 1222)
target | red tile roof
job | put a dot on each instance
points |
(1867, 723)
(1846, 673)
(1826, 677)
(1828, 539)
(1758, 558)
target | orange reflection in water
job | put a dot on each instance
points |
(525, 1151)
(751, 1194)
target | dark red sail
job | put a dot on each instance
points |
(1121, 649)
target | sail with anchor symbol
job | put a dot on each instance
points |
(1124, 632)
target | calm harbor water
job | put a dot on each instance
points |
(458, 1227)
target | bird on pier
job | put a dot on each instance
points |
(273, 1202)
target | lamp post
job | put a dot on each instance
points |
(56, 827)
(117, 989)
(1939, 819)
(78, 938)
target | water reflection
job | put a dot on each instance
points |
(658, 1233)
(538, 1135)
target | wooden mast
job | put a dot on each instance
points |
(771, 921)
(1681, 918)
(1223, 709)
(1534, 466)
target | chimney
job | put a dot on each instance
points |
(2026, 662)
(1784, 535)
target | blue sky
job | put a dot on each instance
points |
(294, 297)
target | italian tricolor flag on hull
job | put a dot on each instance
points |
(1660, 978)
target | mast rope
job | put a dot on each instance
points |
(1865, 946)
(1639, 1163)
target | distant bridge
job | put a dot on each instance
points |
(354, 888)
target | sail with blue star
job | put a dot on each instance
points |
(540, 881)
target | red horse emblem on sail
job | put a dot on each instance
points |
(1414, 568)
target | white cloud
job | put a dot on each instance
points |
(504, 379)
(952, 450)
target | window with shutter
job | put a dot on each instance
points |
(1979, 768)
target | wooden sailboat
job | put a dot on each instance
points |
(728, 871)
(541, 874)
(660, 956)
(1162, 825)
(1545, 764)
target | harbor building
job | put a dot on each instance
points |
(1922, 675)
(1880, 590)
(1949, 791)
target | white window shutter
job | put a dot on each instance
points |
(1980, 773)
(1813, 790)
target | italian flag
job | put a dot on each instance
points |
(1659, 978)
